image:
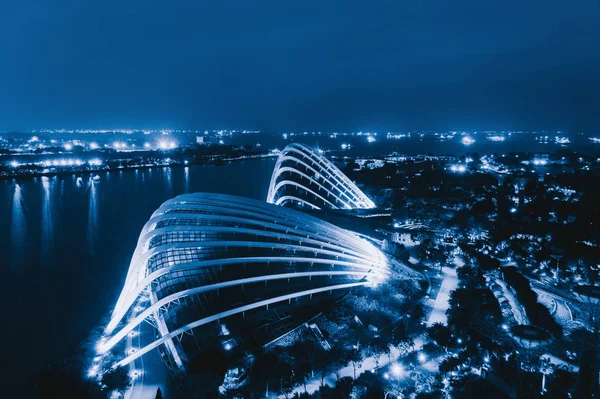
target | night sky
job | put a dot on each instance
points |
(295, 65)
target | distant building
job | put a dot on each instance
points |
(199, 139)
(305, 178)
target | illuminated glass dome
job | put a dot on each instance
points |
(304, 177)
(228, 271)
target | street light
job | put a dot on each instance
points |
(397, 370)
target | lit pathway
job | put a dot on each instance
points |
(367, 364)
(147, 372)
(449, 284)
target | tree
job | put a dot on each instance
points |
(440, 334)
(63, 380)
(340, 357)
(449, 364)
(117, 379)
(206, 371)
(377, 348)
(323, 365)
(355, 358)
(158, 394)
(260, 375)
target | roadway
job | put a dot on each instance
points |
(148, 372)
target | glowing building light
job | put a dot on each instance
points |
(496, 138)
(323, 186)
(467, 140)
(95, 162)
(513, 210)
(221, 142)
(540, 162)
(147, 145)
(371, 139)
(422, 357)
(458, 168)
(68, 146)
(345, 146)
(93, 146)
(318, 244)
(14, 164)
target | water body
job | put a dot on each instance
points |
(65, 247)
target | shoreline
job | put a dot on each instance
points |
(178, 164)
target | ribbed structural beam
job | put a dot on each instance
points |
(198, 244)
(227, 313)
(212, 287)
(303, 176)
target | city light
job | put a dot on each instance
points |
(147, 145)
(93, 371)
(68, 146)
(397, 370)
(513, 210)
(93, 145)
(467, 140)
(95, 162)
(422, 357)
(14, 164)
(371, 139)
(166, 145)
(496, 138)
(458, 168)
(540, 162)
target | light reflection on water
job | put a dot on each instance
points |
(18, 227)
(67, 241)
(92, 224)
(47, 224)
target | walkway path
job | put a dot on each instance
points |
(148, 372)
(449, 284)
